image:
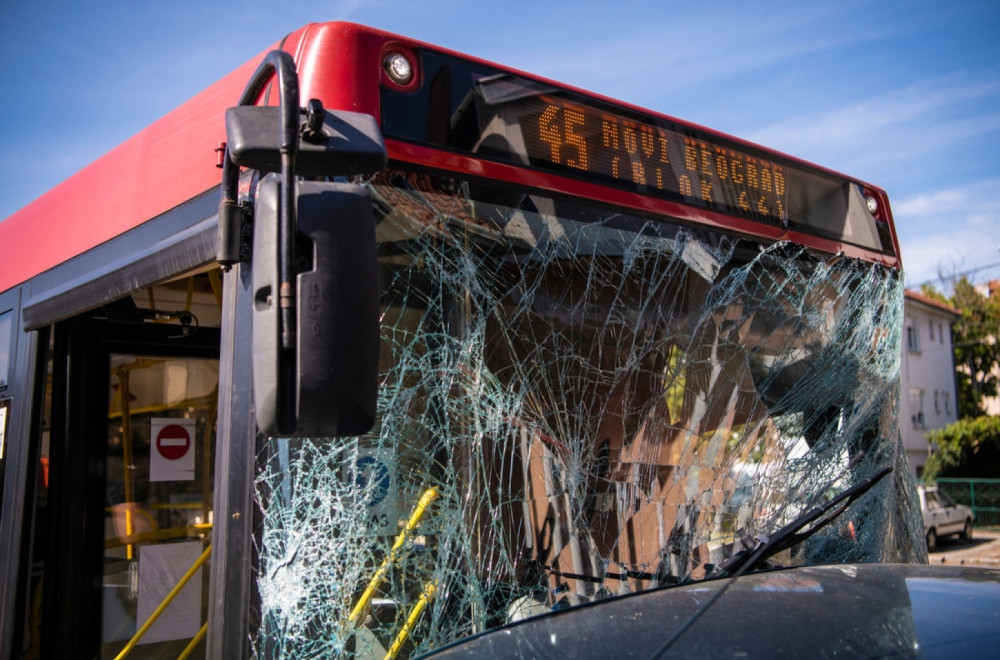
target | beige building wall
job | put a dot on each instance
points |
(928, 395)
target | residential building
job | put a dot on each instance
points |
(928, 393)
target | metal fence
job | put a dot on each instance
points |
(982, 495)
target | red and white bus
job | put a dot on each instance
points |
(613, 349)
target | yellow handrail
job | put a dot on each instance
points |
(123, 392)
(426, 499)
(163, 606)
(198, 402)
(194, 642)
(429, 590)
(158, 535)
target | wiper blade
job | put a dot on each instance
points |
(790, 535)
(786, 537)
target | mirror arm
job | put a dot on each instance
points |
(231, 214)
(230, 211)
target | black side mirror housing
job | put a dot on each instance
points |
(337, 319)
(315, 270)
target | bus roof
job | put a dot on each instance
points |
(174, 159)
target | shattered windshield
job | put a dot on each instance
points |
(578, 403)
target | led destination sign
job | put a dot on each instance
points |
(472, 109)
(609, 146)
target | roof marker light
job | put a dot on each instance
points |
(398, 68)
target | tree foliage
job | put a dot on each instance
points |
(967, 448)
(977, 347)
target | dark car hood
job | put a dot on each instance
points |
(864, 610)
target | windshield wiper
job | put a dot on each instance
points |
(751, 558)
(786, 537)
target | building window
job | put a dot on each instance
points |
(912, 342)
(937, 405)
(940, 334)
(930, 324)
(947, 402)
(917, 405)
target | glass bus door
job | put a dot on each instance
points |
(158, 488)
(124, 510)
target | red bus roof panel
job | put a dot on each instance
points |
(173, 160)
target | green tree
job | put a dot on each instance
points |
(967, 448)
(977, 347)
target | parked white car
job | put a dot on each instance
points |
(942, 516)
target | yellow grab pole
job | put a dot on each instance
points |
(123, 392)
(426, 499)
(163, 606)
(194, 642)
(206, 461)
(411, 621)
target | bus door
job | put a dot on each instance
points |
(124, 509)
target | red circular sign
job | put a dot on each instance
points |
(173, 441)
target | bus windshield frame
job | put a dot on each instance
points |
(578, 402)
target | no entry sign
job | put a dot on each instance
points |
(171, 452)
(173, 442)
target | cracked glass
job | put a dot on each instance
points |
(578, 402)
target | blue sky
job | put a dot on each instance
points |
(905, 95)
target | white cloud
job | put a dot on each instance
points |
(671, 48)
(950, 230)
(895, 125)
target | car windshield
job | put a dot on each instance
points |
(578, 402)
